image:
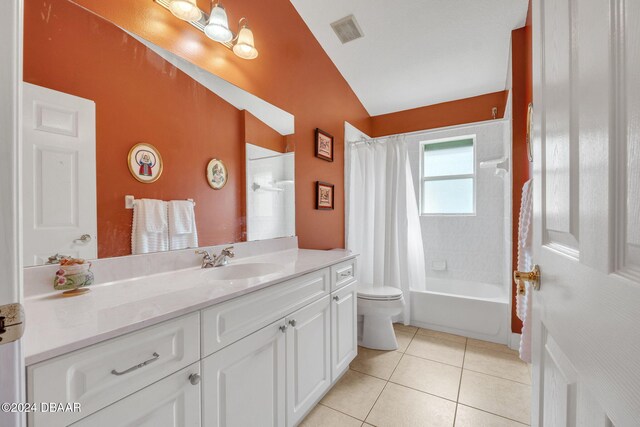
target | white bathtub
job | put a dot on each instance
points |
(473, 309)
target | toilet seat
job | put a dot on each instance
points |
(383, 293)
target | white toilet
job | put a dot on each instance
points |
(379, 305)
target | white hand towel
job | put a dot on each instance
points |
(525, 263)
(182, 225)
(150, 231)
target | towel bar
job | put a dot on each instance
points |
(130, 200)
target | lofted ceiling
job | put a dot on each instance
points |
(418, 52)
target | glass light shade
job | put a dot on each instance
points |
(187, 10)
(218, 26)
(245, 47)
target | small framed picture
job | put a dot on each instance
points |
(217, 174)
(145, 163)
(324, 195)
(324, 145)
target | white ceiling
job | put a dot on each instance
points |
(418, 52)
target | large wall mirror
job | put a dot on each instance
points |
(94, 91)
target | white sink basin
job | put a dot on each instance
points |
(242, 271)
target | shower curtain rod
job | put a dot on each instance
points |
(418, 132)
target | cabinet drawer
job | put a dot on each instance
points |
(343, 273)
(171, 402)
(104, 373)
(230, 321)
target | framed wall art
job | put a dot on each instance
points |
(324, 195)
(217, 174)
(145, 163)
(324, 145)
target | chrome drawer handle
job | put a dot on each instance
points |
(283, 328)
(345, 274)
(133, 368)
(293, 322)
(336, 298)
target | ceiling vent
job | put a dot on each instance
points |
(347, 29)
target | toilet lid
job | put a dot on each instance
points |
(379, 293)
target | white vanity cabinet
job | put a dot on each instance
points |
(344, 334)
(260, 359)
(244, 383)
(308, 357)
(171, 402)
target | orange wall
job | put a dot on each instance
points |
(292, 72)
(139, 97)
(256, 132)
(452, 113)
(522, 95)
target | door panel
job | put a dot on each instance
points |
(308, 358)
(243, 385)
(171, 402)
(586, 369)
(60, 201)
(344, 334)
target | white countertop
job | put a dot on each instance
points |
(57, 325)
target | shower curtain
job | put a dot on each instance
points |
(383, 223)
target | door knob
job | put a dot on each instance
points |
(336, 298)
(194, 379)
(532, 276)
(85, 238)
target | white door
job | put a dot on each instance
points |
(171, 402)
(243, 385)
(308, 358)
(586, 315)
(344, 329)
(59, 175)
(12, 379)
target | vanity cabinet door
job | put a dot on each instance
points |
(171, 402)
(344, 339)
(308, 358)
(243, 385)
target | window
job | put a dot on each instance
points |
(448, 176)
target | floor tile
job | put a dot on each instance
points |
(323, 416)
(400, 406)
(407, 329)
(428, 376)
(498, 363)
(403, 339)
(507, 398)
(438, 349)
(443, 335)
(471, 417)
(354, 394)
(490, 345)
(375, 362)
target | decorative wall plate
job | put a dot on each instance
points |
(217, 174)
(145, 162)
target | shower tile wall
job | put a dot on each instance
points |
(473, 246)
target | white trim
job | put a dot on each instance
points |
(514, 341)
(12, 372)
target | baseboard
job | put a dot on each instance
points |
(514, 341)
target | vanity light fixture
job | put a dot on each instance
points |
(215, 26)
(244, 46)
(187, 10)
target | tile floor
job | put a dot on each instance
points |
(433, 379)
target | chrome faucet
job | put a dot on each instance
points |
(209, 261)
